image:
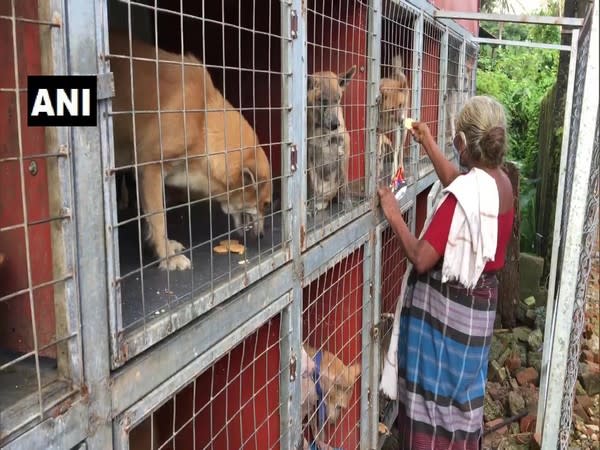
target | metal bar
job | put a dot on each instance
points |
(443, 95)
(549, 327)
(541, 45)
(513, 18)
(56, 433)
(376, 343)
(428, 8)
(566, 290)
(367, 344)
(374, 30)
(86, 26)
(316, 236)
(417, 87)
(294, 194)
(170, 356)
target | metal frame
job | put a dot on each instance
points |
(119, 391)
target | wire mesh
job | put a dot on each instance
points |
(332, 325)
(39, 365)
(453, 89)
(395, 103)
(430, 85)
(197, 165)
(336, 109)
(233, 405)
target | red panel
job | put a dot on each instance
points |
(235, 404)
(462, 6)
(393, 265)
(332, 320)
(15, 316)
(431, 77)
(337, 39)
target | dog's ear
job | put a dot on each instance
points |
(353, 372)
(249, 178)
(346, 77)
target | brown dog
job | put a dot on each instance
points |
(211, 148)
(337, 382)
(393, 107)
(328, 140)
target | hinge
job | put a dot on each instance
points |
(292, 368)
(294, 24)
(106, 86)
(293, 157)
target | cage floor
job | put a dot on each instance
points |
(20, 380)
(163, 290)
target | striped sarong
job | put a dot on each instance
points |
(445, 336)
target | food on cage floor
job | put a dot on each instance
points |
(229, 242)
(220, 249)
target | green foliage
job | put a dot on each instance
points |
(520, 78)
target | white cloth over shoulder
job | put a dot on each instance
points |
(471, 244)
(473, 234)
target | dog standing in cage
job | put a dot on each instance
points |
(393, 106)
(328, 141)
(187, 135)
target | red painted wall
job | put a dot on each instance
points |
(462, 6)
(16, 330)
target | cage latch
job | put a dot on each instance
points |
(106, 85)
(292, 368)
(293, 157)
(294, 24)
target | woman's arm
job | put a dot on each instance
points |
(446, 171)
(419, 252)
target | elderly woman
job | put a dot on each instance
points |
(449, 298)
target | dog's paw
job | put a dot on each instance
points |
(178, 262)
(173, 261)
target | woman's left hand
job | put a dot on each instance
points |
(387, 200)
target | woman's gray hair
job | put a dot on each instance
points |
(483, 121)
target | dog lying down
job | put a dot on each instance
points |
(211, 148)
(327, 388)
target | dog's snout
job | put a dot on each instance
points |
(335, 123)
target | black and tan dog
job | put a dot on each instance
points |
(328, 140)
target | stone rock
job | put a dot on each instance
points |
(492, 409)
(531, 268)
(579, 390)
(497, 373)
(527, 423)
(535, 340)
(534, 359)
(522, 334)
(516, 403)
(526, 376)
(496, 391)
(514, 428)
(492, 423)
(513, 363)
(529, 302)
(589, 376)
(497, 347)
(540, 317)
(504, 356)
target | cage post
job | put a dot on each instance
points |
(569, 286)
(373, 79)
(416, 88)
(443, 90)
(376, 350)
(294, 194)
(85, 28)
(368, 341)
